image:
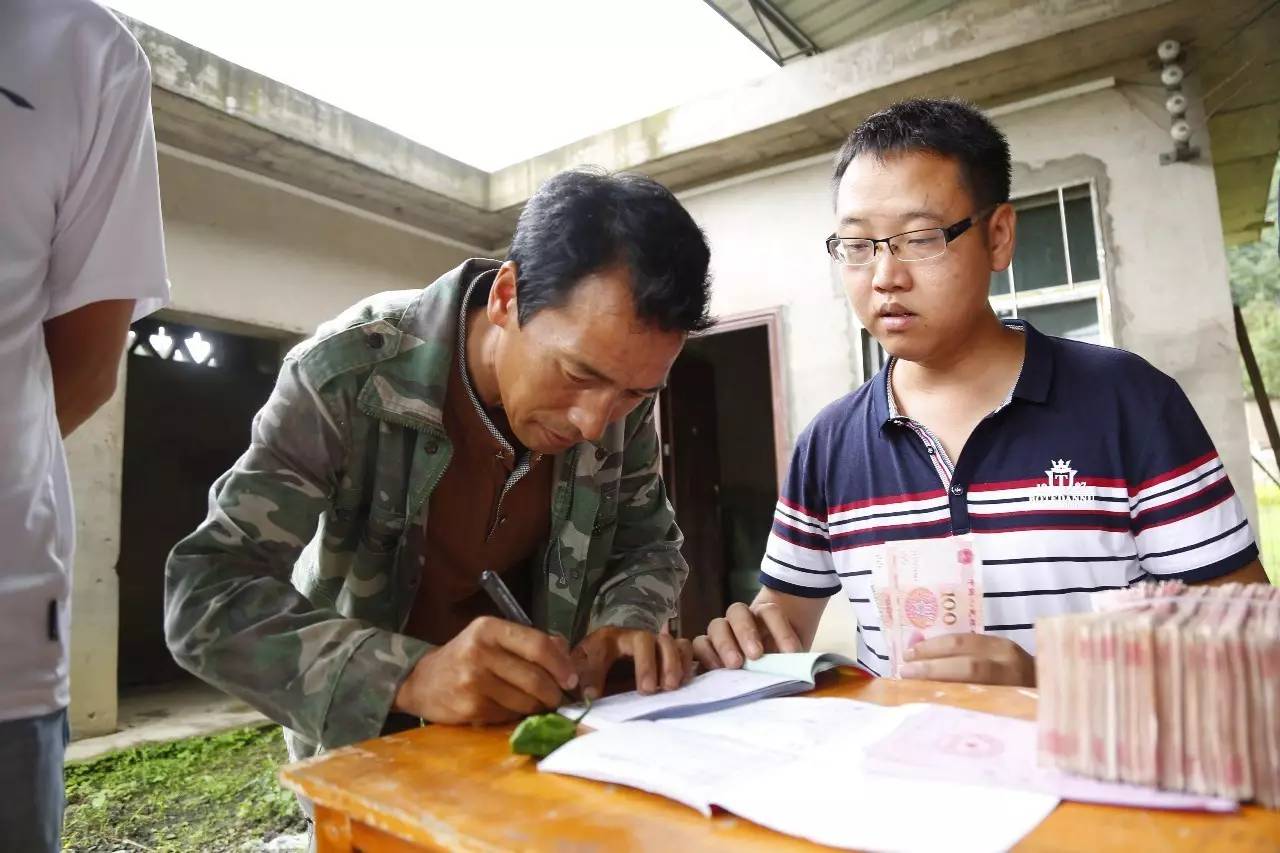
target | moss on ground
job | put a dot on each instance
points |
(200, 794)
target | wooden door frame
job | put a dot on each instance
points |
(771, 320)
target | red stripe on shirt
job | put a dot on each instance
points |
(1228, 496)
(1028, 484)
(1169, 475)
(881, 501)
(1123, 512)
(786, 522)
(866, 530)
(1204, 487)
(816, 516)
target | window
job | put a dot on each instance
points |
(170, 341)
(1055, 280)
(150, 340)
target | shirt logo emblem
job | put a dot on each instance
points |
(1061, 484)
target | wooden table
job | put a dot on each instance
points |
(457, 788)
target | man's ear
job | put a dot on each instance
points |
(501, 308)
(1002, 231)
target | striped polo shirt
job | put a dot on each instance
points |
(1096, 473)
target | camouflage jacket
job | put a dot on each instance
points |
(290, 594)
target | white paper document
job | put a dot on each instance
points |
(796, 766)
(771, 675)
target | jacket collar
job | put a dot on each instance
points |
(408, 386)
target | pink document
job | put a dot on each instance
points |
(951, 744)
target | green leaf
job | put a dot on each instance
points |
(542, 734)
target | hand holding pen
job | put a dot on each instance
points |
(495, 670)
(661, 661)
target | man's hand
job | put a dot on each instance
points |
(493, 672)
(745, 633)
(973, 658)
(661, 661)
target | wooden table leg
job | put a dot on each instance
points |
(333, 831)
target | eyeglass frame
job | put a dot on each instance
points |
(949, 233)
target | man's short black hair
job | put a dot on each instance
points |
(586, 220)
(948, 127)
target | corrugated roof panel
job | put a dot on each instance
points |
(828, 23)
(803, 11)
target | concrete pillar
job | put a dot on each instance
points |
(95, 454)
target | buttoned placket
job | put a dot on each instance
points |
(974, 449)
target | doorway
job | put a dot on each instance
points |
(190, 397)
(722, 420)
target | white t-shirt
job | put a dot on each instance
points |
(79, 223)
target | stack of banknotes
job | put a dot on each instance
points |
(1166, 685)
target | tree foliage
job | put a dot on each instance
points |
(1255, 287)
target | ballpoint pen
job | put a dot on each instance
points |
(513, 612)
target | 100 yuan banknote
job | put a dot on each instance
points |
(926, 588)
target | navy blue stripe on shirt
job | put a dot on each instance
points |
(868, 667)
(1026, 500)
(879, 535)
(774, 559)
(868, 645)
(1179, 470)
(886, 500)
(1014, 522)
(1023, 561)
(811, 541)
(798, 520)
(1071, 589)
(1236, 561)
(895, 514)
(1185, 507)
(802, 591)
(1179, 487)
(1200, 544)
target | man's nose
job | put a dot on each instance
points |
(590, 414)
(888, 273)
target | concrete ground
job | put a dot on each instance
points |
(168, 712)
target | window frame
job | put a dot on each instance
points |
(1008, 304)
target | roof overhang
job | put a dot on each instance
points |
(992, 52)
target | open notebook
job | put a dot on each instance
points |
(771, 675)
(795, 765)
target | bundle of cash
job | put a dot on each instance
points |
(925, 588)
(1166, 685)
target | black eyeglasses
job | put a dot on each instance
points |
(910, 246)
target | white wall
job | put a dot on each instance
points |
(248, 252)
(766, 239)
(1167, 265)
